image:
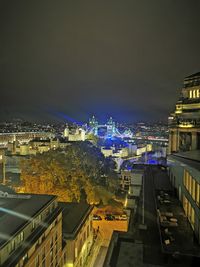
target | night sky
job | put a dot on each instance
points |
(122, 58)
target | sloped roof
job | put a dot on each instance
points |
(193, 75)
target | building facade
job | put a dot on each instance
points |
(31, 231)
(77, 233)
(184, 122)
(184, 151)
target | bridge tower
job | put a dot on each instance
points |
(93, 124)
(111, 127)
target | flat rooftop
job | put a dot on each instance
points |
(175, 230)
(17, 211)
(191, 158)
(74, 215)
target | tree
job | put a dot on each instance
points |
(70, 172)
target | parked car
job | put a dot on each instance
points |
(121, 217)
(109, 217)
(96, 217)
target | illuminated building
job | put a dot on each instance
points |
(77, 233)
(30, 230)
(78, 135)
(184, 149)
(184, 123)
(66, 131)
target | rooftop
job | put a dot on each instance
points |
(74, 215)
(191, 158)
(175, 231)
(16, 211)
(197, 74)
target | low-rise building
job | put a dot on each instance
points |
(77, 233)
(30, 230)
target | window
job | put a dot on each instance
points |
(198, 95)
(194, 93)
(193, 188)
(76, 252)
(20, 237)
(56, 236)
(197, 193)
(33, 225)
(51, 244)
(11, 246)
(65, 258)
(51, 254)
(43, 254)
(37, 261)
(190, 184)
(184, 178)
(25, 258)
(84, 236)
(190, 93)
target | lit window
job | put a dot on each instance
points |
(190, 93)
(193, 188)
(194, 93)
(11, 246)
(33, 225)
(198, 93)
(197, 193)
(25, 258)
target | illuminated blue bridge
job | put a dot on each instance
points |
(110, 129)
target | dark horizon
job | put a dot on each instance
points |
(122, 59)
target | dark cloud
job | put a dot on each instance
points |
(120, 58)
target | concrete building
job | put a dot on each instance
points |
(31, 230)
(77, 233)
(184, 149)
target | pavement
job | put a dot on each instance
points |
(150, 237)
(106, 228)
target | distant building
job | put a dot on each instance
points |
(31, 231)
(77, 233)
(66, 132)
(107, 152)
(184, 149)
(77, 134)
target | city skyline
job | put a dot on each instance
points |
(126, 60)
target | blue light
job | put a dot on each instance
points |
(152, 162)
(66, 117)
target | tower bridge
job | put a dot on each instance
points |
(111, 129)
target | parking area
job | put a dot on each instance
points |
(106, 228)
